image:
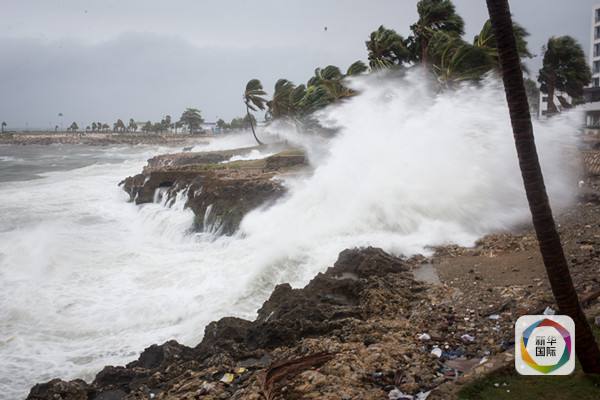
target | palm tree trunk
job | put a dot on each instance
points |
(543, 221)
(252, 126)
(551, 106)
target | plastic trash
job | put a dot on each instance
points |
(549, 311)
(436, 351)
(396, 394)
(424, 337)
(494, 317)
(467, 338)
(240, 370)
(227, 378)
(422, 395)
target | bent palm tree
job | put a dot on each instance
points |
(434, 16)
(254, 100)
(386, 48)
(543, 222)
(564, 69)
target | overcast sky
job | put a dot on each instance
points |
(99, 60)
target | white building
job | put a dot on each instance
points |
(592, 94)
(594, 54)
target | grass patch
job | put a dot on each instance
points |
(509, 384)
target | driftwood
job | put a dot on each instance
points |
(288, 368)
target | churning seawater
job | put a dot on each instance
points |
(88, 279)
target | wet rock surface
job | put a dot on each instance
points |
(219, 193)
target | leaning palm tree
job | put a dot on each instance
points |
(486, 41)
(254, 100)
(281, 104)
(453, 60)
(564, 69)
(386, 48)
(434, 16)
(543, 221)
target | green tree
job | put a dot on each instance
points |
(94, 127)
(281, 104)
(454, 60)
(3, 126)
(132, 126)
(74, 127)
(357, 68)
(192, 118)
(386, 48)
(486, 40)
(237, 123)
(254, 100)
(434, 16)
(105, 127)
(119, 126)
(543, 221)
(147, 127)
(564, 68)
(221, 124)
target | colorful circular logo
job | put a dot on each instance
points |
(566, 355)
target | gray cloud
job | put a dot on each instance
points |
(102, 60)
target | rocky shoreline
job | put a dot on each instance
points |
(372, 326)
(96, 139)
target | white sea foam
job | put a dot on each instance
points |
(87, 279)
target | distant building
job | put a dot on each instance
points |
(592, 94)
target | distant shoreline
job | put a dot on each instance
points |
(95, 138)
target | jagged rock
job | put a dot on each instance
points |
(58, 389)
(219, 194)
(156, 356)
(332, 305)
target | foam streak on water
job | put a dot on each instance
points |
(87, 279)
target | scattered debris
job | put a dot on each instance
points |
(467, 338)
(549, 311)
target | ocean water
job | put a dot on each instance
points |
(88, 279)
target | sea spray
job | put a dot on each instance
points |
(410, 167)
(87, 279)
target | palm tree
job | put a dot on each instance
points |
(3, 126)
(434, 16)
(386, 48)
(487, 41)
(147, 127)
(254, 100)
(119, 126)
(192, 118)
(357, 68)
(543, 221)
(564, 69)
(94, 126)
(132, 126)
(74, 127)
(281, 104)
(454, 60)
